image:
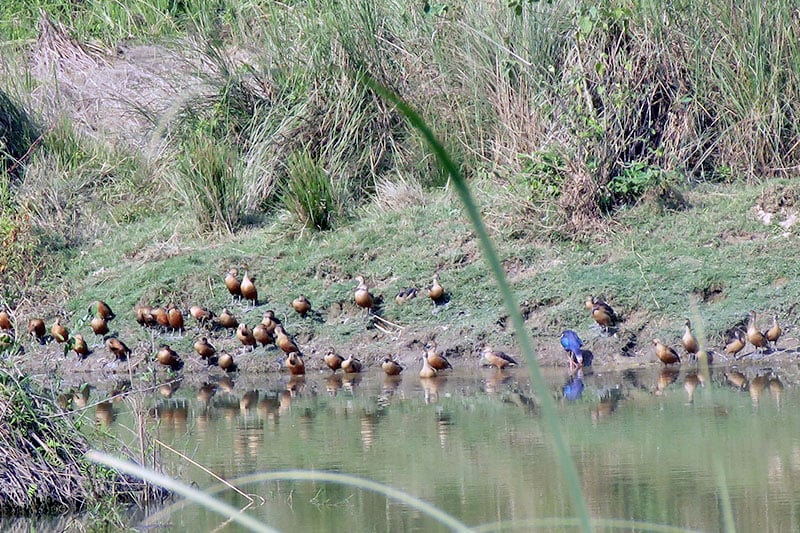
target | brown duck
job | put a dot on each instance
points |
(5, 320)
(736, 345)
(363, 297)
(226, 363)
(59, 331)
(689, 341)
(144, 315)
(351, 365)
(774, 332)
(102, 309)
(333, 360)
(36, 329)
(497, 359)
(294, 362)
(665, 354)
(427, 371)
(262, 335)
(99, 325)
(204, 349)
(436, 292)
(161, 315)
(227, 320)
(175, 318)
(201, 314)
(118, 348)
(603, 314)
(283, 340)
(245, 336)
(79, 346)
(405, 294)
(391, 367)
(269, 321)
(167, 356)
(436, 359)
(248, 288)
(233, 284)
(301, 305)
(755, 337)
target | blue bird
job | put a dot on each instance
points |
(572, 343)
(573, 388)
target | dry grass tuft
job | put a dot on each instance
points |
(398, 194)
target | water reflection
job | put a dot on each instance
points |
(573, 388)
(666, 377)
(487, 455)
(690, 383)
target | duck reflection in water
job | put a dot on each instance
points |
(776, 389)
(496, 381)
(248, 400)
(666, 377)
(104, 413)
(690, 383)
(430, 388)
(573, 388)
(608, 404)
(368, 423)
(333, 383)
(757, 386)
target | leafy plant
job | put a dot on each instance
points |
(631, 184)
(544, 173)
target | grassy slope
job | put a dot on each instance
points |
(648, 268)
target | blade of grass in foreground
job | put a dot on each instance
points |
(526, 344)
(293, 475)
(563, 523)
(411, 501)
(184, 490)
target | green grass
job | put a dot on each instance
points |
(647, 269)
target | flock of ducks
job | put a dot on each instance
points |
(268, 332)
(271, 332)
(606, 318)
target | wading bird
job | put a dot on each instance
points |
(572, 344)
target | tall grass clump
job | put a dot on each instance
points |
(207, 182)
(294, 93)
(75, 187)
(638, 94)
(105, 20)
(309, 193)
(19, 133)
(747, 70)
(636, 98)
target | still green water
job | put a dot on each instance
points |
(650, 445)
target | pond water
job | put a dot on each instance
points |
(665, 446)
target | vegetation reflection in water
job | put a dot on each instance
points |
(474, 446)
